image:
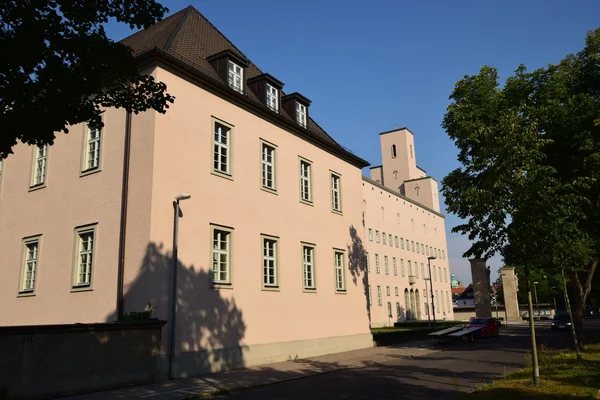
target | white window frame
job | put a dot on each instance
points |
(265, 164)
(235, 75)
(376, 263)
(396, 291)
(219, 148)
(301, 117)
(29, 266)
(418, 248)
(402, 271)
(305, 181)
(396, 241)
(336, 192)
(395, 266)
(91, 158)
(427, 250)
(87, 268)
(379, 300)
(39, 168)
(270, 261)
(368, 261)
(385, 265)
(387, 291)
(383, 238)
(422, 248)
(417, 269)
(308, 267)
(339, 264)
(376, 236)
(370, 235)
(370, 296)
(272, 97)
(422, 271)
(225, 235)
(390, 240)
(402, 243)
(434, 274)
(412, 245)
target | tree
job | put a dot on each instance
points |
(530, 175)
(58, 68)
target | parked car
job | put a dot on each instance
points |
(561, 322)
(489, 326)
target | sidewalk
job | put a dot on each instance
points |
(265, 374)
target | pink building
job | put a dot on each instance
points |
(272, 243)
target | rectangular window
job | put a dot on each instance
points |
(272, 98)
(40, 165)
(368, 262)
(301, 114)
(268, 166)
(236, 77)
(377, 236)
(416, 269)
(340, 279)
(384, 238)
(85, 257)
(370, 235)
(395, 266)
(443, 254)
(387, 290)
(221, 148)
(437, 301)
(435, 252)
(389, 309)
(396, 241)
(221, 255)
(410, 272)
(92, 149)
(270, 273)
(422, 249)
(308, 267)
(385, 264)
(370, 297)
(422, 271)
(305, 181)
(402, 267)
(30, 265)
(402, 243)
(336, 194)
(390, 240)
(378, 295)
(398, 311)
(445, 276)
(376, 263)
(396, 291)
(434, 274)
(418, 248)
(427, 250)
(412, 245)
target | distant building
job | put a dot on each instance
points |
(463, 297)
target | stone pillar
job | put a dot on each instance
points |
(481, 288)
(510, 287)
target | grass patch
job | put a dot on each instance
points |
(561, 377)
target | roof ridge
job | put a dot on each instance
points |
(175, 31)
(143, 30)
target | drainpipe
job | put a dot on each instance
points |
(123, 224)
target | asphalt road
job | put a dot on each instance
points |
(439, 375)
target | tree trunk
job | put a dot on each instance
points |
(581, 286)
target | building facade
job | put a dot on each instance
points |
(275, 242)
(406, 236)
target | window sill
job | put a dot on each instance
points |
(340, 292)
(269, 190)
(26, 293)
(308, 203)
(76, 289)
(309, 290)
(337, 212)
(271, 289)
(221, 285)
(222, 175)
(90, 171)
(37, 187)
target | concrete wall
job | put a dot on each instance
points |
(39, 362)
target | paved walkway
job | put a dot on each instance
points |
(265, 374)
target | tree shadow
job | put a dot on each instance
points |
(357, 263)
(209, 325)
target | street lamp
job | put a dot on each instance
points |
(431, 289)
(536, 299)
(178, 198)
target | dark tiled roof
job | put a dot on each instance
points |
(190, 38)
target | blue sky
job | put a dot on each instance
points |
(369, 66)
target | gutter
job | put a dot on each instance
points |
(123, 222)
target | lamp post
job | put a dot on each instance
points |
(431, 289)
(536, 299)
(178, 198)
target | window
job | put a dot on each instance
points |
(398, 310)
(437, 301)
(308, 267)
(389, 309)
(445, 276)
(301, 114)
(378, 295)
(412, 245)
(30, 264)
(402, 267)
(236, 77)
(387, 290)
(422, 271)
(377, 236)
(418, 248)
(435, 252)
(422, 249)
(427, 250)
(440, 271)
(376, 263)
(368, 262)
(340, 281)
(393, 151)
(92, 149)
(385, 264)
(384, 238)
(268, 166)
(370, 235)
(402, 243)
(270, 278)
(411, 151)
(222, 145)
(416, 269)
(409, 268)
(396, 291)
(336, 198)
(370, 297)
(272, 98)
(390, 240)
(443, 254)
(395, 266)
(396, 241)
(434, 274)
(305, 181)
(221, 255)
(85, 256)
(40, 165)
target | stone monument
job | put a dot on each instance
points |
(481, 287)
(510, 286)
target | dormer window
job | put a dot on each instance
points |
(272, 98)
(301, 114)
(236, 77)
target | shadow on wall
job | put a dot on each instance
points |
(357, 262)
(210, 327)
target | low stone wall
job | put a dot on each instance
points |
(56, 360)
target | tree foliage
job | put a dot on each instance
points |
(58, 68)
(530, 174)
